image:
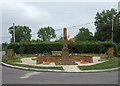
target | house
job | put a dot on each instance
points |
(72, 39)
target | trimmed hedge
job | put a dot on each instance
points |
(47, 47)
(119, 49)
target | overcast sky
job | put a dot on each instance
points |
(55, 14)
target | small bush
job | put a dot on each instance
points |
(4, 59)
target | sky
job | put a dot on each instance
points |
(37, 14)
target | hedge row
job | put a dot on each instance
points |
(119, 47)
(47, 47)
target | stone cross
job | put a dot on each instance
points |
(65, 38)
(65, 60)
(65, 50)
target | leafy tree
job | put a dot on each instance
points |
(22, 33)
(84, 35)
(103, 23)
(46, 33)
(4, 45)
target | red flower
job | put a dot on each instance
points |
(45, 60)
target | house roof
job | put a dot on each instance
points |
(72, 39)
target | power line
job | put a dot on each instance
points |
(76, 26)
(34, 34)
(80, 25)
(61, 28)
(58, 29)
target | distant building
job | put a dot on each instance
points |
(72, 39)
(119, 6)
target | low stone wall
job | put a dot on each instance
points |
(79, 58)
(96, 59)
(58, 53)
(51, 58)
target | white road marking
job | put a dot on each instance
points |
(29, 74)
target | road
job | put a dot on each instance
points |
(16, 76)
(1, 55)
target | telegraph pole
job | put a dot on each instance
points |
(112, 28)
(14, 31)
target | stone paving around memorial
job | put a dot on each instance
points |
(72, 68)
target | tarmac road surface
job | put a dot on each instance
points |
(16, 76)
(1, 55)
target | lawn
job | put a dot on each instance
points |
(34, 59)
(4, 59)
(28, 55)
(105, 65)
(37, 67)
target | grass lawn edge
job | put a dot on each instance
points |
(35, 67)
(102, 66)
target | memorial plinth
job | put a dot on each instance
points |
(65, 60)
(111, 56)
(9, 55)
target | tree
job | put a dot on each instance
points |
(4, 45)
(103, 23)
(46, 33)
(22, 33)
(84, 35)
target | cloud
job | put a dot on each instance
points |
(0, 22)
(33, 12)
(58, 15)
(61, 0)
(25, 10)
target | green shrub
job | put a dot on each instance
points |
(119, 49)
(92, 47)
(4, 59)
(14, 46)
(74, 47)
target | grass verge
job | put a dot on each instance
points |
(37, 67)
(92, 54)
(4, 59)
(28, 55)
(34, 59)
(105, 65)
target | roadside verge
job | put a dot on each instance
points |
(61, 71)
